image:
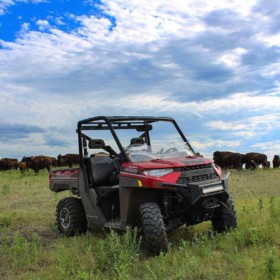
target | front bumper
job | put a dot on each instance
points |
(196, 191)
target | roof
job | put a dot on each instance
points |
(116, 119)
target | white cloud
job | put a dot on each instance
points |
(4, 4)
(270, 40)
(252, 128)
(207, 147)
(43, 24)
(233, 58)
(256, 123)
(240, 102)
(210, 143)
(270, 148)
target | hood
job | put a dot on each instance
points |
(171, 162)
(178, 162)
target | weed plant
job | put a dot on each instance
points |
(32, 248)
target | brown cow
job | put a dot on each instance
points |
(22, 167)
(228, 159)
(257, 158)
(276, 161)
(37, 162)
(53, 159)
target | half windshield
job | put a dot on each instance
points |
(137, 139)
(160, 151)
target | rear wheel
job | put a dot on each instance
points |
(153, 228)
(70, 216)
(225, 217)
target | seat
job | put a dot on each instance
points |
(101, 170)
(103, 174)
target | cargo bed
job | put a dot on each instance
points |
(64, 179)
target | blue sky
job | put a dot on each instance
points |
(212, 65)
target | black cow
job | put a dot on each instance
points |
(8, 163)
(276, 161)
(228, 159)
(256, 158)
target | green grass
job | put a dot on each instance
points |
(32, 248)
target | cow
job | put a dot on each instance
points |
(8, 163)
(60, 160)
(276, 161)
(53, 159)
(68, 159)
(37, 162)
(228, 159)
(257, 158)
(251, 165)
(22, 167)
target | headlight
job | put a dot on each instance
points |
(158, 172)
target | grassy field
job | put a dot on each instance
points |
(32, 248)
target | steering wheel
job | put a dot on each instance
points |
(171, 150)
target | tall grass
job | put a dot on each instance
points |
(32, 248)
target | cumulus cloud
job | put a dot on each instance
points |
(4, 5)
(216, 68)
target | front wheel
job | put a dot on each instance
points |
(153, 228)
(225, 217)
(71, 217)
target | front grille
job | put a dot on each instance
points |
(195, 167)
(198, 173)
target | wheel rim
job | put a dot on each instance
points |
(64, 218)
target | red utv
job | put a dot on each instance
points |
(140, 172)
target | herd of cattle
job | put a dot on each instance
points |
(39, 162)
(226, 160)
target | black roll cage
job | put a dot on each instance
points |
(139, 123)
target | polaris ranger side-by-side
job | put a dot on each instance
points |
(140, 172)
